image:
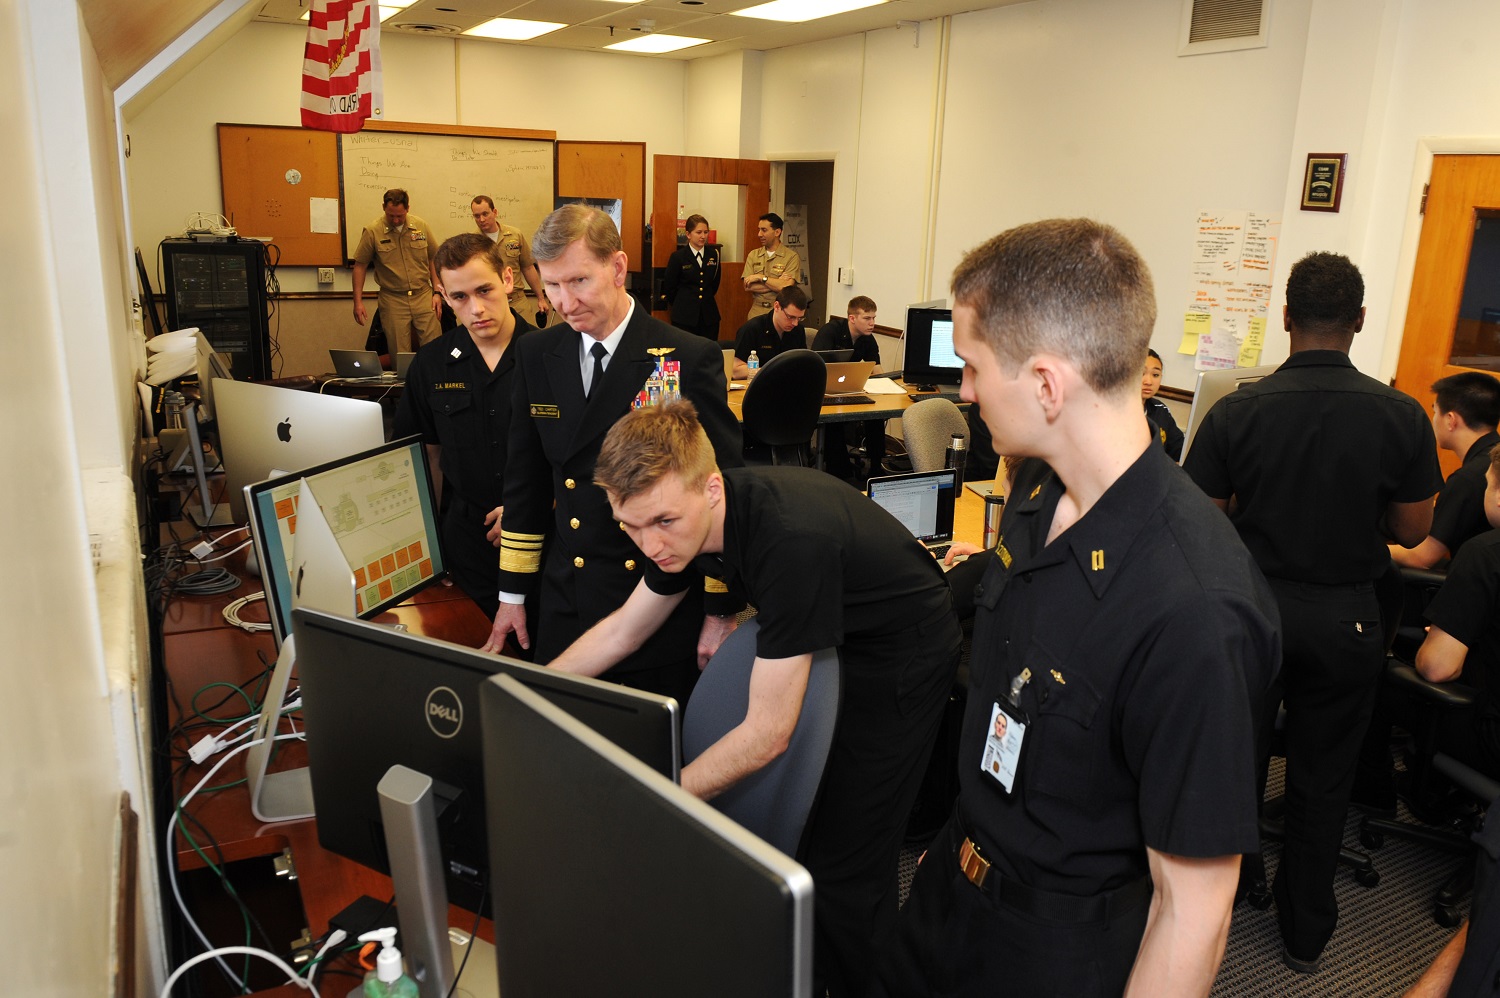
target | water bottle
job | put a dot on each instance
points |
(955, 458)
(753, 363)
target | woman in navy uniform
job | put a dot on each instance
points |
(691, 280)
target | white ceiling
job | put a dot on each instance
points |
(593, 24)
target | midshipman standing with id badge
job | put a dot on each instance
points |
(1121, 636)
(559, 543)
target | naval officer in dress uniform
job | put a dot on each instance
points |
(573, 381)
(691, 280)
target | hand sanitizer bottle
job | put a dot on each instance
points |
(387, 980)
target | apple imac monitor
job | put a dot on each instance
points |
(375, 697)
(929, 357)
(1212, 386)
(581, 831)
(264, 430)
(385, 529)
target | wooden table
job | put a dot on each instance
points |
(199, 648)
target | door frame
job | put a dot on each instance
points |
(666, 173)
(1428, 146)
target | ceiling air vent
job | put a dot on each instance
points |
(421, 28)
(1223, 25)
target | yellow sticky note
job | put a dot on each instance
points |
(1194, 324)
(1255, 342)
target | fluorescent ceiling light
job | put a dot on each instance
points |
(511, 29)
(390, 8)
(656, 43)
(796, 11)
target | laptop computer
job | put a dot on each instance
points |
(403, 361)
(836, 356)
(846, 383)
(923, 501)
(358, 365)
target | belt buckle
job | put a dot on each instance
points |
(974, 866)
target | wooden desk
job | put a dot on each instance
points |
(885, 407)
(200, 648)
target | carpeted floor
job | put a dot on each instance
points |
(1385, 938)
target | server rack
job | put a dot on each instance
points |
(220, 287)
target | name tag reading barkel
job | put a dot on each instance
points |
(545, 412)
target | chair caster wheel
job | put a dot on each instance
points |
(1371, 838)
(1368, 878)
(1447, 916)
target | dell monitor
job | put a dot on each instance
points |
(587, 843)
(264, 430)
(929, 357)
(1212, 386)
(375, 696)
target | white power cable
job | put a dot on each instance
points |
(172, 870)
(218, 954)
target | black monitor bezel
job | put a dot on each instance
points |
(916, 366)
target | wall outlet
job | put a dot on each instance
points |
(846, 275)
(325, 275)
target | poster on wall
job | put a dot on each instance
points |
(1229, 295)
(794, 238)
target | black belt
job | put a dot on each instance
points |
(1047, 904)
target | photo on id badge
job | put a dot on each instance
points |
(1002, 747)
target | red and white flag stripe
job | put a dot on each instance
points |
(341, 82)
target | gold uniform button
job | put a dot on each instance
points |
(577, 562)
(573, 523)
(568, 483)
(630, 565)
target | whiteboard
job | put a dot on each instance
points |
(442, 173)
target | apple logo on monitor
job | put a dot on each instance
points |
(284, 430)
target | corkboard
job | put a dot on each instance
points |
(269, 175)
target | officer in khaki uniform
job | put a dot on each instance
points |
(515, 253)
(770, 268)
(401, 247)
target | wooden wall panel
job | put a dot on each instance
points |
(609, 170)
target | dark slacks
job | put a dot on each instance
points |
(1333, 652)
(957, 941)
(894, 691)
(472, 560)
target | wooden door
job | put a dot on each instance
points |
(752, 174)
(1453, 317)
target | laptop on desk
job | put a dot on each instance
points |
(923, 501)
(358, 365)
(846, 383)
(403, 361)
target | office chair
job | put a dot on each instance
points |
(928, 427)
(781, 406)
(775, 801)
(1433, 704)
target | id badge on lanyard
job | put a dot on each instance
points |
(1005, 736)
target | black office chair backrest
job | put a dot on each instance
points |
(781, 405)
(773, 802)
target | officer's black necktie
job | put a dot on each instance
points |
(599, 354)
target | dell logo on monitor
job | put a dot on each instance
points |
(445, 712)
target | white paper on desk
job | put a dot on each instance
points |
(324, 214)
(883, 386)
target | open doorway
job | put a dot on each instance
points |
(809, 190)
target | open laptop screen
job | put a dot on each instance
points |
(922, 501)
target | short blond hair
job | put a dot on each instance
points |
(573, 222)
(1070, 286)
(647, 445)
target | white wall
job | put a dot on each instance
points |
(174, 165)
(73, 661)
(1082, 107)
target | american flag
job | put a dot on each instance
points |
(341, 82)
